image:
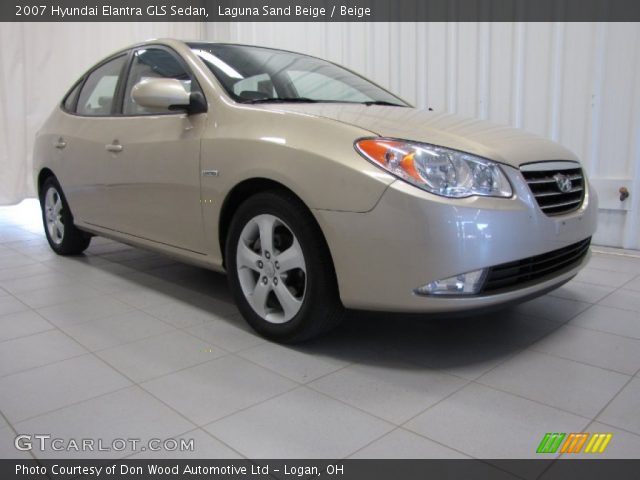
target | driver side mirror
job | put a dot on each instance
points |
(167, 94)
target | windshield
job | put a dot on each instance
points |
(264, 75)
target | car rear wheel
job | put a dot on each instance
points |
(62, 235)
(280, 269)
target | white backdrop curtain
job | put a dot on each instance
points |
(38, 63)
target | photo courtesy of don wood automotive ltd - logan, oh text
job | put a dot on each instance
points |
(343, 239)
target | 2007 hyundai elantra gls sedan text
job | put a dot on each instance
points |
(312, 187)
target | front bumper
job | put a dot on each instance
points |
(413, 237)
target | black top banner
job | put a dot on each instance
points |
(319, 10)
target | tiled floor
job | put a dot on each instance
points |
(122, 343)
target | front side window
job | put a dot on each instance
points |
(153, 63)
(98, 92)
(255, 74)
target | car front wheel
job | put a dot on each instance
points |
(280, 269)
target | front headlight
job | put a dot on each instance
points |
(435, 169)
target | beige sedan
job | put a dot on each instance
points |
(312, 187)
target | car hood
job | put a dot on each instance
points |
(479, 137)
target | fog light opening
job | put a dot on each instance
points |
(469, 283)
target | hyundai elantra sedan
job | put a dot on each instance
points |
(313, 188)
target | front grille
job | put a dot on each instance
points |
(545, 186)
(537, 268)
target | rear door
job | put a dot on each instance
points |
(90, 108)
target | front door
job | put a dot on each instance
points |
(153, 158)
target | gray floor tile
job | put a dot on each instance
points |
(512, 328)
(23, 271)
(625, 299)
(14, 259)
(486, 423)
(81, 311)
(116, 284)
(351, 342)
(39, 390)
(467, 358)
(633, 285)
(299, 424)
(130, 413)
(552, 308)
(558, 382)
(187, 313)
(292, 362)
(146, 297)
(7, 446)
(624, 410)
(582, 292)
(402, 444)
(21, 324)
(204, 446)
(606, 278)
(394, 391)
(611, 320)
(56, 295)
(159, 355)
(78, 267)
(99, 271)
(217, 388)
(594, 348)
(36, 350)
(232, 335)
(38, 252)
(615, 263)
(9, 304)
(117, 330)
(35, 282)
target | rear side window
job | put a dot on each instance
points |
(153, 63)
(69, 103)
(98, 92)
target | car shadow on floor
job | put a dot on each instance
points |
(468, 345)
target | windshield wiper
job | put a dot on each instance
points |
(382, 102)
(282, 100)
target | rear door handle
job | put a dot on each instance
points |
(114, 147)
(60, 143)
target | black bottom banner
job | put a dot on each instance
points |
(308, 469)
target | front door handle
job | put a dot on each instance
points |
(60, 143)
(114, 147)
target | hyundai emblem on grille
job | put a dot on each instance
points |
(563, 182)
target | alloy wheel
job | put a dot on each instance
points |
(53, 215)
(271, 268)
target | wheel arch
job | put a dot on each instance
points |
(43, 175)
(244, 190)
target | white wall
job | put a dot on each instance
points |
(577, 83)
(38, 63)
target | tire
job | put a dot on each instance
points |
(63, 236)
(296, 260)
